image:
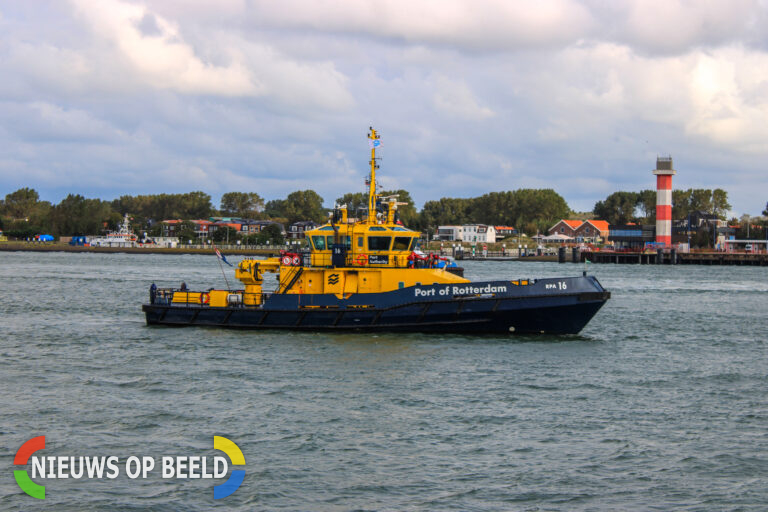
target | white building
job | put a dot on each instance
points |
(467, 233)
(478, 233)
(448, 233)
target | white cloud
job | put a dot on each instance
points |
(134, 96)
(476, 25)
(162, 56)
(456, 100)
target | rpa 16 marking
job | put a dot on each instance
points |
(560, 285)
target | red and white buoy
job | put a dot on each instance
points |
(664, 173)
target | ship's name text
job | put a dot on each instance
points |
(458, 290)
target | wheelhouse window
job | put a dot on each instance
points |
(318, 242)
(402, 243)
(379, 243)
(346, 240)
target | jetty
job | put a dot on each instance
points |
(673, 258)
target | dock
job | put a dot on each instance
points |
(673, 258)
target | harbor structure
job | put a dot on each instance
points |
(664, 172)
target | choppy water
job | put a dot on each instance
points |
(660, 404)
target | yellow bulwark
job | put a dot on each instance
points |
(349, 255)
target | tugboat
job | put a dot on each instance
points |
(363, 273)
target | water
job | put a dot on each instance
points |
(661, 403)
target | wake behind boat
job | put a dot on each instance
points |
(366, 275)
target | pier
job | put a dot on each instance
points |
(674, 258)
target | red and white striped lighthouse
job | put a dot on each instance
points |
(664, 173)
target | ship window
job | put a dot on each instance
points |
(379, 243)
(346, 240)
(413, 243)
(398, 228)
(401, 243)
(359, 241)
(318, 242)
(326, 228)
(377, 228)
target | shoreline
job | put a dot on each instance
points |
(58, 247)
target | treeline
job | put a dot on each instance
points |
(528, 210)
(23, 214)
(640, 207)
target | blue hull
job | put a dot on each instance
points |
(559, 306)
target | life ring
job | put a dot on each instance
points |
(287, 260)
(361, 259)
(205, 298)
(296, 260)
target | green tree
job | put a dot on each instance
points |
(275, 208)
(20, 204)
(304, 205)
(765, 212)
(681, 203)
(720, 204)
(618, 208)
(186, 232)
(224, 234)
(241, 204)
(272, 233)
(646, 201)
(445, 211)
(700, 199)
(76, 215)
(190, 205)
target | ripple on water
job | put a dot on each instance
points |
(658, 404)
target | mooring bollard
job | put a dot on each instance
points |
(673, 256)
(659, 256)
(561, 255)
(575, 255)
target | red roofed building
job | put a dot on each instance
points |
(592, 229)
(586, 230)
(565, 227)
(503, 232)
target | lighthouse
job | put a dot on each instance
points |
(664, 173)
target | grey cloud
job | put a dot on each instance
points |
(579, 99)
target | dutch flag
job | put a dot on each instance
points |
(221, 256)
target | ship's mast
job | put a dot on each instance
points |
(374, 142)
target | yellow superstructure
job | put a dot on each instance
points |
(372, 254)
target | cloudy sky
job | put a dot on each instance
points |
(111, 97)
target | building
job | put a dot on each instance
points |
(631, 236)
(448, 233)
(478, 233)
(565, 227)
(503, 232)
(592, 231)
(252, 227)
(581, 230)
(467, 233)
(172, 227)
(297, 229)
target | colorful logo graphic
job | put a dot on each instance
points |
(238, 475)
(21, 475)
(133, 467)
